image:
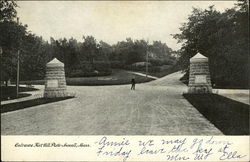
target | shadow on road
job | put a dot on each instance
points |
(231, 117)
(29, 103)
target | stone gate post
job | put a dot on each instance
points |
(55, 82)
(199, 75)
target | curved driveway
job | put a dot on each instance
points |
(154, 108)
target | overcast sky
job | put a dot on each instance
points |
(111, 21)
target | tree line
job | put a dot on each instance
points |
(222, 37)
(86, 58)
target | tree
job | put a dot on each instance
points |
(10, 36)
(90, 48)
(33, 58)
(122, 50)
(7, 13)
(138, 51)
(222, 38)
(106, 50)
(7, 10)
(160, 50)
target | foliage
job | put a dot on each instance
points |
(33, 57)
(10, 33)
(7, 10)
(14, 37)
(223, 38)
(132, 51)
(102, 68)
(93, 58)
(33, 52)
(7, 13)
(86, 58)
(161, 62)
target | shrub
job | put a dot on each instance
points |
(99, 68)
(160, 62)
(154, 69)
(102, 66)
(117, 64)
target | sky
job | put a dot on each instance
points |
(111, 21)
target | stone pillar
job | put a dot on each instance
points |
(55, 83)
(199, 75)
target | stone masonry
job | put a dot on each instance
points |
(199, 75)
(55, 82)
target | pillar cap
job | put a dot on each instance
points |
(55, 63)
(198, 57)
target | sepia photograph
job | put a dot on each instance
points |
(125, 68)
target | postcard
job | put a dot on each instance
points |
(124, 80)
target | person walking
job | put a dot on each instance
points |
(133, 84)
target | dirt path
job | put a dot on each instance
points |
(154, 108)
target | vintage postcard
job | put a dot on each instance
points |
(124, 80)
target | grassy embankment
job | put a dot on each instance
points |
(231, 117)
(157, 71)
(118, 77)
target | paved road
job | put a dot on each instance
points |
(154, 108)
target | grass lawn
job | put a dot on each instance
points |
(116, 78)
(164, 70)
(231, 117)
(29, 103)
(9, 92)
(158, 74)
